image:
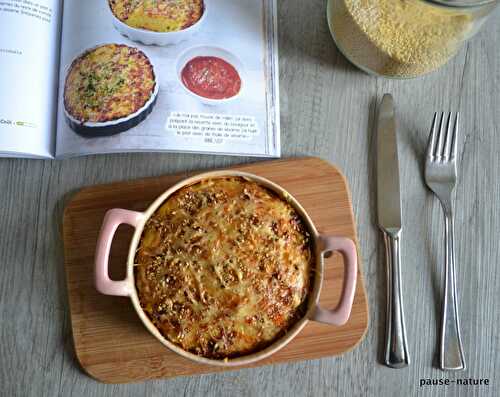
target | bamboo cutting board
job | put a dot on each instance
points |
(111, 343)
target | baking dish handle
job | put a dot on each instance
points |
(112, 220)
(341, 313)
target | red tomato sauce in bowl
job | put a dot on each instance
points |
(211, 77)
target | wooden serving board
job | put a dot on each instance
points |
(111, 343)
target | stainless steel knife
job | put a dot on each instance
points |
(389, 219)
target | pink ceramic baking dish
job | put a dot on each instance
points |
(323, 245)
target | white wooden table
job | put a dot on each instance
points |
(328, 110)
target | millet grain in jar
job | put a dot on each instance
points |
(397, 38)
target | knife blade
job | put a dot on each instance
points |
(389, 218)
(388, 189)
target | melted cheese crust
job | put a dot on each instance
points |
(158, 15)
(107, 83)
(224, 268)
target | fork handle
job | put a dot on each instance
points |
(396, 350)
(451, 351)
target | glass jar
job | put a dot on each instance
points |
(404, 38)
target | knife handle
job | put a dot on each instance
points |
(396, 350)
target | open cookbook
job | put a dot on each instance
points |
(81, 77)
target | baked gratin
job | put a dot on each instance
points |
(108, 83)
(158, 15)
(224, 268)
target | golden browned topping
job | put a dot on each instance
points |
(107, 83)
(223, 267)
(158, 15)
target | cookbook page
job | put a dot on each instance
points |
(189, 75)
(29, 60)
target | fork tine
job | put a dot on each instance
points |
(453, 149)
(440, 139)
(448, 138)
(432, 137)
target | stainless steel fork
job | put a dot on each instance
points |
(441, 177)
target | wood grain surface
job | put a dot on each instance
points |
(328, 109)
(110, 341)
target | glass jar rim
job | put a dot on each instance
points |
(461, 3)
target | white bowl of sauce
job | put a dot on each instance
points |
(213, 75)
